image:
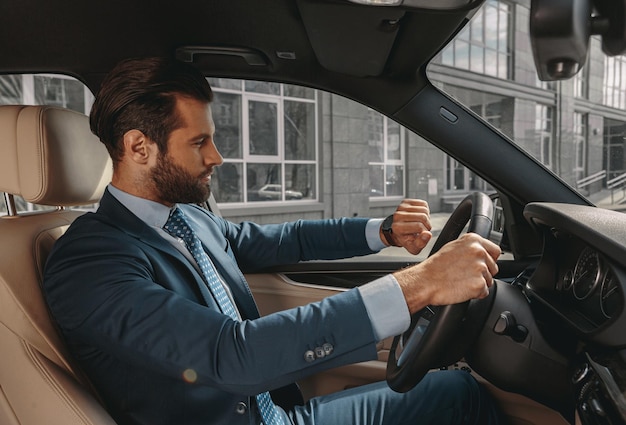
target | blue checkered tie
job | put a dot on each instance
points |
(177, 226)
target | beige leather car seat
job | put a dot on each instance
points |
(48, 156)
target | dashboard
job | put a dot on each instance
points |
(581, 276)
(579, 285)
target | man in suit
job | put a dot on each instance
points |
(169, 335)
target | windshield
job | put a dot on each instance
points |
(576, 127)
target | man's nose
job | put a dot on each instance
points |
(213, 156)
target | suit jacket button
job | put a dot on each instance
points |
(319, 352)
(241, 408)
(328, 348)
(309, 356)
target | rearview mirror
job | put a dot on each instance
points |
(560, 31)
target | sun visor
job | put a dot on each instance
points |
(368, 33)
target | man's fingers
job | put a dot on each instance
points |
(492, 249)
(415, 242)
(488, 253)
(484, 294)
(493, 266)
(415, 226)
(410, 203)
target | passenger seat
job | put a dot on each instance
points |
(49, 157)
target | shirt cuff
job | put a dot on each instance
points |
(386, 307)
(372, 234)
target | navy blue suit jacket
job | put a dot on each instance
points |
(142, 324)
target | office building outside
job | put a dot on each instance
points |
(292, 152)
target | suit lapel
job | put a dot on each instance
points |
(129, 223)
(122, 218)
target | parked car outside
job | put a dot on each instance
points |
(274, 192)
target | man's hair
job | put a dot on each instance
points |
(141, 94)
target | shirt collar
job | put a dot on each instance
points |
(150, 212)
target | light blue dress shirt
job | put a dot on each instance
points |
(383, 297)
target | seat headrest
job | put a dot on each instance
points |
(49, 156)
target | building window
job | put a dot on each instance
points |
(386, 156)
(544, 131)
(267, 134)
(45, 89)
(489, 108)
(614, 147)
(456, 175)
(11, 89)
(614, 88)
(581, 82)
(492, 108)
(580, 144)
(484, 46)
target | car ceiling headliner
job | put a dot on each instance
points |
(332, 41)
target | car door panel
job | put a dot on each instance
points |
(277, 291)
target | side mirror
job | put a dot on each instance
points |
(560, 31)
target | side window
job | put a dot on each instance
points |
(386, 140)
(45, 89)
(268, 136)
(42, 89)
(293, 152)
(484, 46)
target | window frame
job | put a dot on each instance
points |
(387, 162)
(248, 158)
(544, 133)
(614, 82)
(580, 138)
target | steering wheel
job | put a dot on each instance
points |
(433, 339)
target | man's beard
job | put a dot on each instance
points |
(174, 184)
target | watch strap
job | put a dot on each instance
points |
(387, 231)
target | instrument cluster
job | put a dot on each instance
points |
(581, 275)
(593, 286)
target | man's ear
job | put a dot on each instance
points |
(138, 147)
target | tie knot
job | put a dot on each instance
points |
(176, 214)
(177, 226)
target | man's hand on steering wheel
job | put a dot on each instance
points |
(463, 269)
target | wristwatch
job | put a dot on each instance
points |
(386, 228)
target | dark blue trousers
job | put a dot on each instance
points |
(446, 397)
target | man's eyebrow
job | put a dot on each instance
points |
(200, 136)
